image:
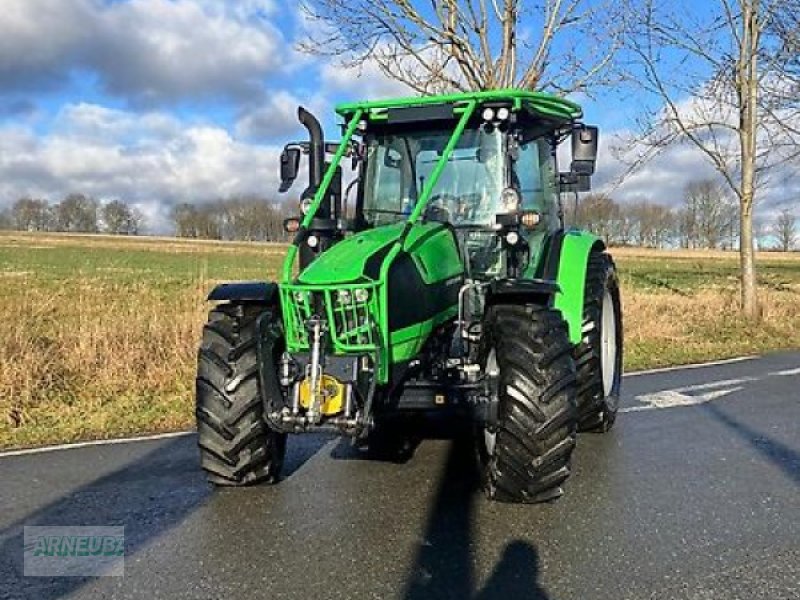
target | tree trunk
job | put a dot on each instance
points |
(748, 102)
(748, 263)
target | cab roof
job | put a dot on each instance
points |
(533, 103)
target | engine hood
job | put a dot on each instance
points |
(357, 256)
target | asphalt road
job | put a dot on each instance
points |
(695, 494)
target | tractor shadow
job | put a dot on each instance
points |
(119, 498)
(150, 496)
(443, 565)
(413, 431)
(783, 457)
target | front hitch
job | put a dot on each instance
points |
(303, 378)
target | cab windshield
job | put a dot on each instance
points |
(468, 190)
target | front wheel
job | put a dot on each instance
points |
(526, 454)
(236, 446)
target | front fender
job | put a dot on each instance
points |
(246, 291)
(568, 259)
(536, 291)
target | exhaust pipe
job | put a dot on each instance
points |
(316, 154)
(316, 165)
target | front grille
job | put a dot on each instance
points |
(352, 320)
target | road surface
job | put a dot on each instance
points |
(695, 494)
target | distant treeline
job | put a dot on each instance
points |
(76, 213)
(239, 218)
(707, 218)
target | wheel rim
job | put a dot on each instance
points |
(608, 344)
(490, 437)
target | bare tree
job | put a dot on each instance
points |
(77, 213)
(237, 218)
(597, 213)
(121, 219)
(708, 215)
(652, 223)
(761, 231)
(197, 221)
(721, 72)
(29, 214)
(6, 220)
(786, 230)
(460, 45)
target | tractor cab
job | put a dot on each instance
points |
(484, 163)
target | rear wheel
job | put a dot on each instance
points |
(598, 356)
(526, 455)
(236, 445)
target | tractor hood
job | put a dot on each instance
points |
(359, 256)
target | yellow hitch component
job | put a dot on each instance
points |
(330, 390)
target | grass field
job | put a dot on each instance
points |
(98, 334)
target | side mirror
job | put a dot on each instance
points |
(584, 149)
(290, 165)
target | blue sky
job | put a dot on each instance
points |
(163, 101)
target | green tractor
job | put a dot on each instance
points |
(430, 271)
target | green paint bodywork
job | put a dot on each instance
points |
(363, 327)
(345, 261)
(572, 278)
(343, 267)
(535, 102)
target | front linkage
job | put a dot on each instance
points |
(314, 390)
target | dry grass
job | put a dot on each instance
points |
(664, 329)
(98, 334)
(96, 359)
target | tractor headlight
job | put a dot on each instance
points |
(362, 295)
(305, 205)
(343, 296)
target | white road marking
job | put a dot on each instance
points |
(716, 384)
(786, 373)
(691, 366)
(73, 446)
(661, 399)
(673, 398)
(685, 396)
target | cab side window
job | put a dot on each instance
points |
(534, 173)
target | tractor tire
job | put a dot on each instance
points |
(237, 448)
(526, 456)
(598, 356)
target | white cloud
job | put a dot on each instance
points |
(277, 117)
(664, 178)
(147, 51)
(365, 82)
(151, 160)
